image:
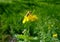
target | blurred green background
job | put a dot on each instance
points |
(12, 13)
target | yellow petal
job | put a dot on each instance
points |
(33, 18)
(25, 19)
(54, 35)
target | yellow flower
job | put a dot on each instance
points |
(55, 35)
(29, 17)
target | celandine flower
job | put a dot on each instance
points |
(55, 35)
(29, 17)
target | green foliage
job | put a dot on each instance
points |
(48, 11)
